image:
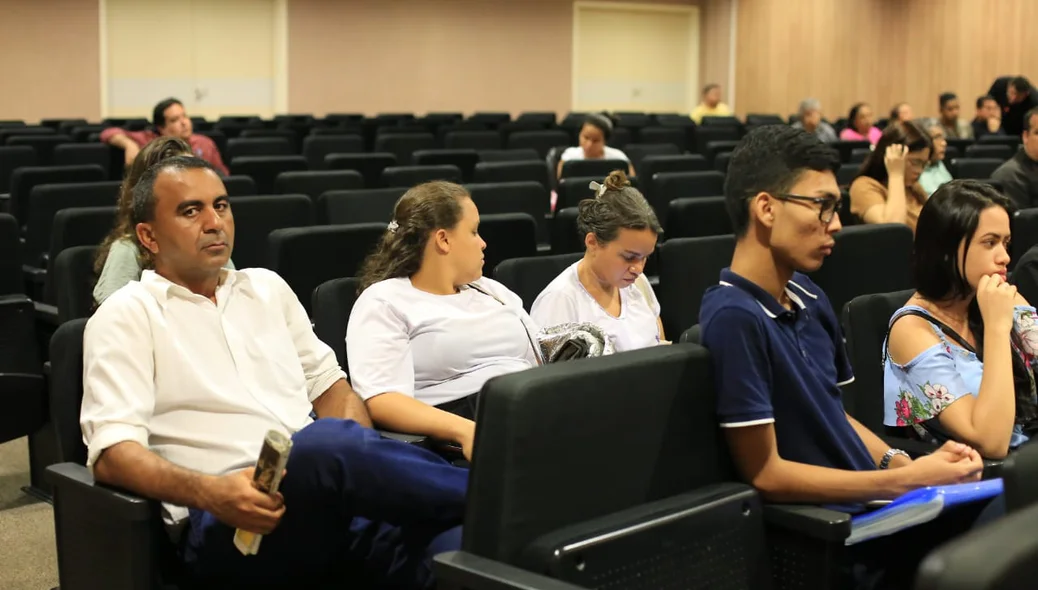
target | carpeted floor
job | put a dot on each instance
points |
(27, 556)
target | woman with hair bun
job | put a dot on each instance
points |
(607, 287)
(594, 135)
(428, 329)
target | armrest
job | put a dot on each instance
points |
(812, 521)
(72, 479)
(34, 274)
(411, 439)
(472, 572)
(105, 534)
(47, 314)
(5, 202)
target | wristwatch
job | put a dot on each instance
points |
(885, 461)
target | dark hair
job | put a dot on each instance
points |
(158, 114)
(950, 218)
(982, 99)
(420, 212)
(771, 159)
(600, 122)
(1021, 84)
(710, 87)
(620, 206)
(158, 150)
(946, 97)
(907, 133)
(852, 116)
(1027, 120)
(143, 210)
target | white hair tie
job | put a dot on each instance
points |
(393, 226)
(599, 189)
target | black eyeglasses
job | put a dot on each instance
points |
(827, 205)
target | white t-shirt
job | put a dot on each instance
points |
(577, 153)
(436, 348)
(566, 300)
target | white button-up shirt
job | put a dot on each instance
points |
(199, 383)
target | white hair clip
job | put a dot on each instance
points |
(599, 189)
(392, 227)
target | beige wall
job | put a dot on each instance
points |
(49, 59)
(878, 51)
(422, 55)
(715, 43)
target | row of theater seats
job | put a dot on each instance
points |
(635, 497)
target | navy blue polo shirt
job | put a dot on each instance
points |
(774, 365)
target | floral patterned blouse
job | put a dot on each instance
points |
(920, 389)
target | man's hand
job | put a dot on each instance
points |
(952, 463)
(234, 500)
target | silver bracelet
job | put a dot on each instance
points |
(885, 461)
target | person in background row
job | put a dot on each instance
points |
(988, 120)
(887, 188)
(594, 134)
(428, 329)
(185, 372)
(901, 113)
(954, 127)
(711, 105)
(1016, 96)
(779, 360)
(809, 118)
(957, 356)
(607, 287)
(169, 120)
(935, 174)
(1019, 174)
(120, 258)
(859, 125)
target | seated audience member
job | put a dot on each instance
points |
(935, 174)
(901, 113)
(1016, 96)
(186, 371)
(953, 126)
(170, 120)
(957, 356)
(988, 120)
(810, 119)
(593, 137)
(1019, 174)
(859, 125)
(428, 329)
(887, 188)
(607, 287)
(710, 105)
(120, 258)
(779, 357)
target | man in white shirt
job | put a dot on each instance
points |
(186, 370)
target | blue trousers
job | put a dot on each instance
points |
(360, 511)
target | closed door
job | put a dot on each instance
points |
(635, 57)
(221, 57)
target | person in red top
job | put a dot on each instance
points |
(169, 119)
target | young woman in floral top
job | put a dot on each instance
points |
(959, 356)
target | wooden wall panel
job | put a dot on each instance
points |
(878, 51)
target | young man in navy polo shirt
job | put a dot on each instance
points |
(777, 346)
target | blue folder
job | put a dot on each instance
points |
(917, 507)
